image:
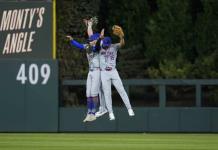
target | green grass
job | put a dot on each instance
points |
(108, 141)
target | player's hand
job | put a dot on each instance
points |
(118, 31)
(102, 34)
(69, 37)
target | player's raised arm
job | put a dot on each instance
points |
(102, 34)
(89, 23)
(118, 31)
(98, 43)
(122, 41)
(75, 43)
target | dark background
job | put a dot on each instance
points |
(165, 39)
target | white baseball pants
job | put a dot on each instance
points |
(93, 83)
(112, 77)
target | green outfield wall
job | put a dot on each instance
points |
(161, 118)
(33, 107)
(146, 120)
(29, 96)
(29, 71)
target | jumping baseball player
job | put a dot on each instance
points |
(93, 78)
(102, 107)
(109, 74)
(108, 56)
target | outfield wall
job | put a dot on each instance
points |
(23, 116)
(146, 120)
(29, 96)
(161, 118)
(29, 71)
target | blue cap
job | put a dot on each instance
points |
(94, 37)
(106, 42)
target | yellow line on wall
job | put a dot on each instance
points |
(54, 30)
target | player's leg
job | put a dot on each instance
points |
(89, 98)
(95, 85)
(106, 85)
(102, 107)
(119, 87)
(88, 93)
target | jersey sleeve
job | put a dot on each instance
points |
(117, 46)
(77, 44)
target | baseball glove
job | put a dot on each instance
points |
(90, 22)
(118, 31)
(94, 20)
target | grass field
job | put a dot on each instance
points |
(108, 141)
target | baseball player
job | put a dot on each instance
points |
(89, 23)
(109, 74)
(108, 56)
(93, 78)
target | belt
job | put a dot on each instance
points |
(107, 69)
(94, 69)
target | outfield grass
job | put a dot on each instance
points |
(108, 141)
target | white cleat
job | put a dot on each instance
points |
(111, 116)
(100, 113)
(131, 112)
(92, 118)
(89, 118)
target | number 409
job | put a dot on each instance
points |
(33, 73)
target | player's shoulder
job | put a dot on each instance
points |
(116, 45)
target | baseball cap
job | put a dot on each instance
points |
(106, 42)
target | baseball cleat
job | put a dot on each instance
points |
(111, 116)
(87, 118)
(92, 118)
(100, 113)
(131, 112)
